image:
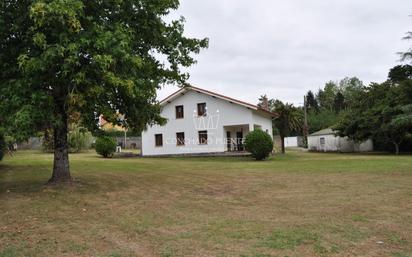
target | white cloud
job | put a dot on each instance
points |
(284, 48)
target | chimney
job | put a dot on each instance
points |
(265, 103)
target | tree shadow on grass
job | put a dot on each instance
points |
(21, 185)
(23, 179)
(26, 179)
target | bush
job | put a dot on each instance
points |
(48, 141)
(79, 139)
(259, 144)
(105, 146)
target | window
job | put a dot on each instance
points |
(322, 141)
(201, 109)
(159, 139)
(180, 138)
(203, 137)
(179, 112)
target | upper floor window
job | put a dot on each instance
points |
(159, 140)
(179, 112)
(201, 109)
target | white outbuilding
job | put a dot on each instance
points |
(294, 142)
(326, 141)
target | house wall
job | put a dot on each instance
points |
(264, 121)
(291, 141)
(220, 113)
(331, 143)
(337, 144)
(294, 142)
(366, 146)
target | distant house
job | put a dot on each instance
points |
(326, 141)
(120, 134)
(203, 122)
(108, 126)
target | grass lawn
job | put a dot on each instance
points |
(301, 204)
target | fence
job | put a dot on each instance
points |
(131, 142)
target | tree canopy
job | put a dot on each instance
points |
(381, 113)
(400, 73)
(58, 58)
(289, 119)
(331, 101)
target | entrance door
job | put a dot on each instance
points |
(228, 141)
(239, 141)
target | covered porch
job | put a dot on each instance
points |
(235, 136)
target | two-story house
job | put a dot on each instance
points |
(200, 121)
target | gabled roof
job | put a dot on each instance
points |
(185, 89)
(326, 131)
(105, 125)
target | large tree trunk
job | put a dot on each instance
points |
(61, 170)
(282, 142)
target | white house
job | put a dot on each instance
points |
(200, 121)
(326, 141)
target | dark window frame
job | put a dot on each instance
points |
(322, 141)
(161, 140)
(180, 141)
(177, 112)
(201, 109)
(203, 137)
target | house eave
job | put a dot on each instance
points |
(185, 89)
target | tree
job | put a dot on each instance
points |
(289, 119)
(321, 120)
(311, 102)
(399, 125)
(408, 54)
(339, 102)
(88, 57)
(380, 114)
(333, 100)
(400, 73)
(326, 97)
(350, 88)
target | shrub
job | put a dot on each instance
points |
(105, 146)
(47, 141)
(259, 144)
(79, 139)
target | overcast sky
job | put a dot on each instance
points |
(284, 48)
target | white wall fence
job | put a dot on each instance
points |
(294, 142)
